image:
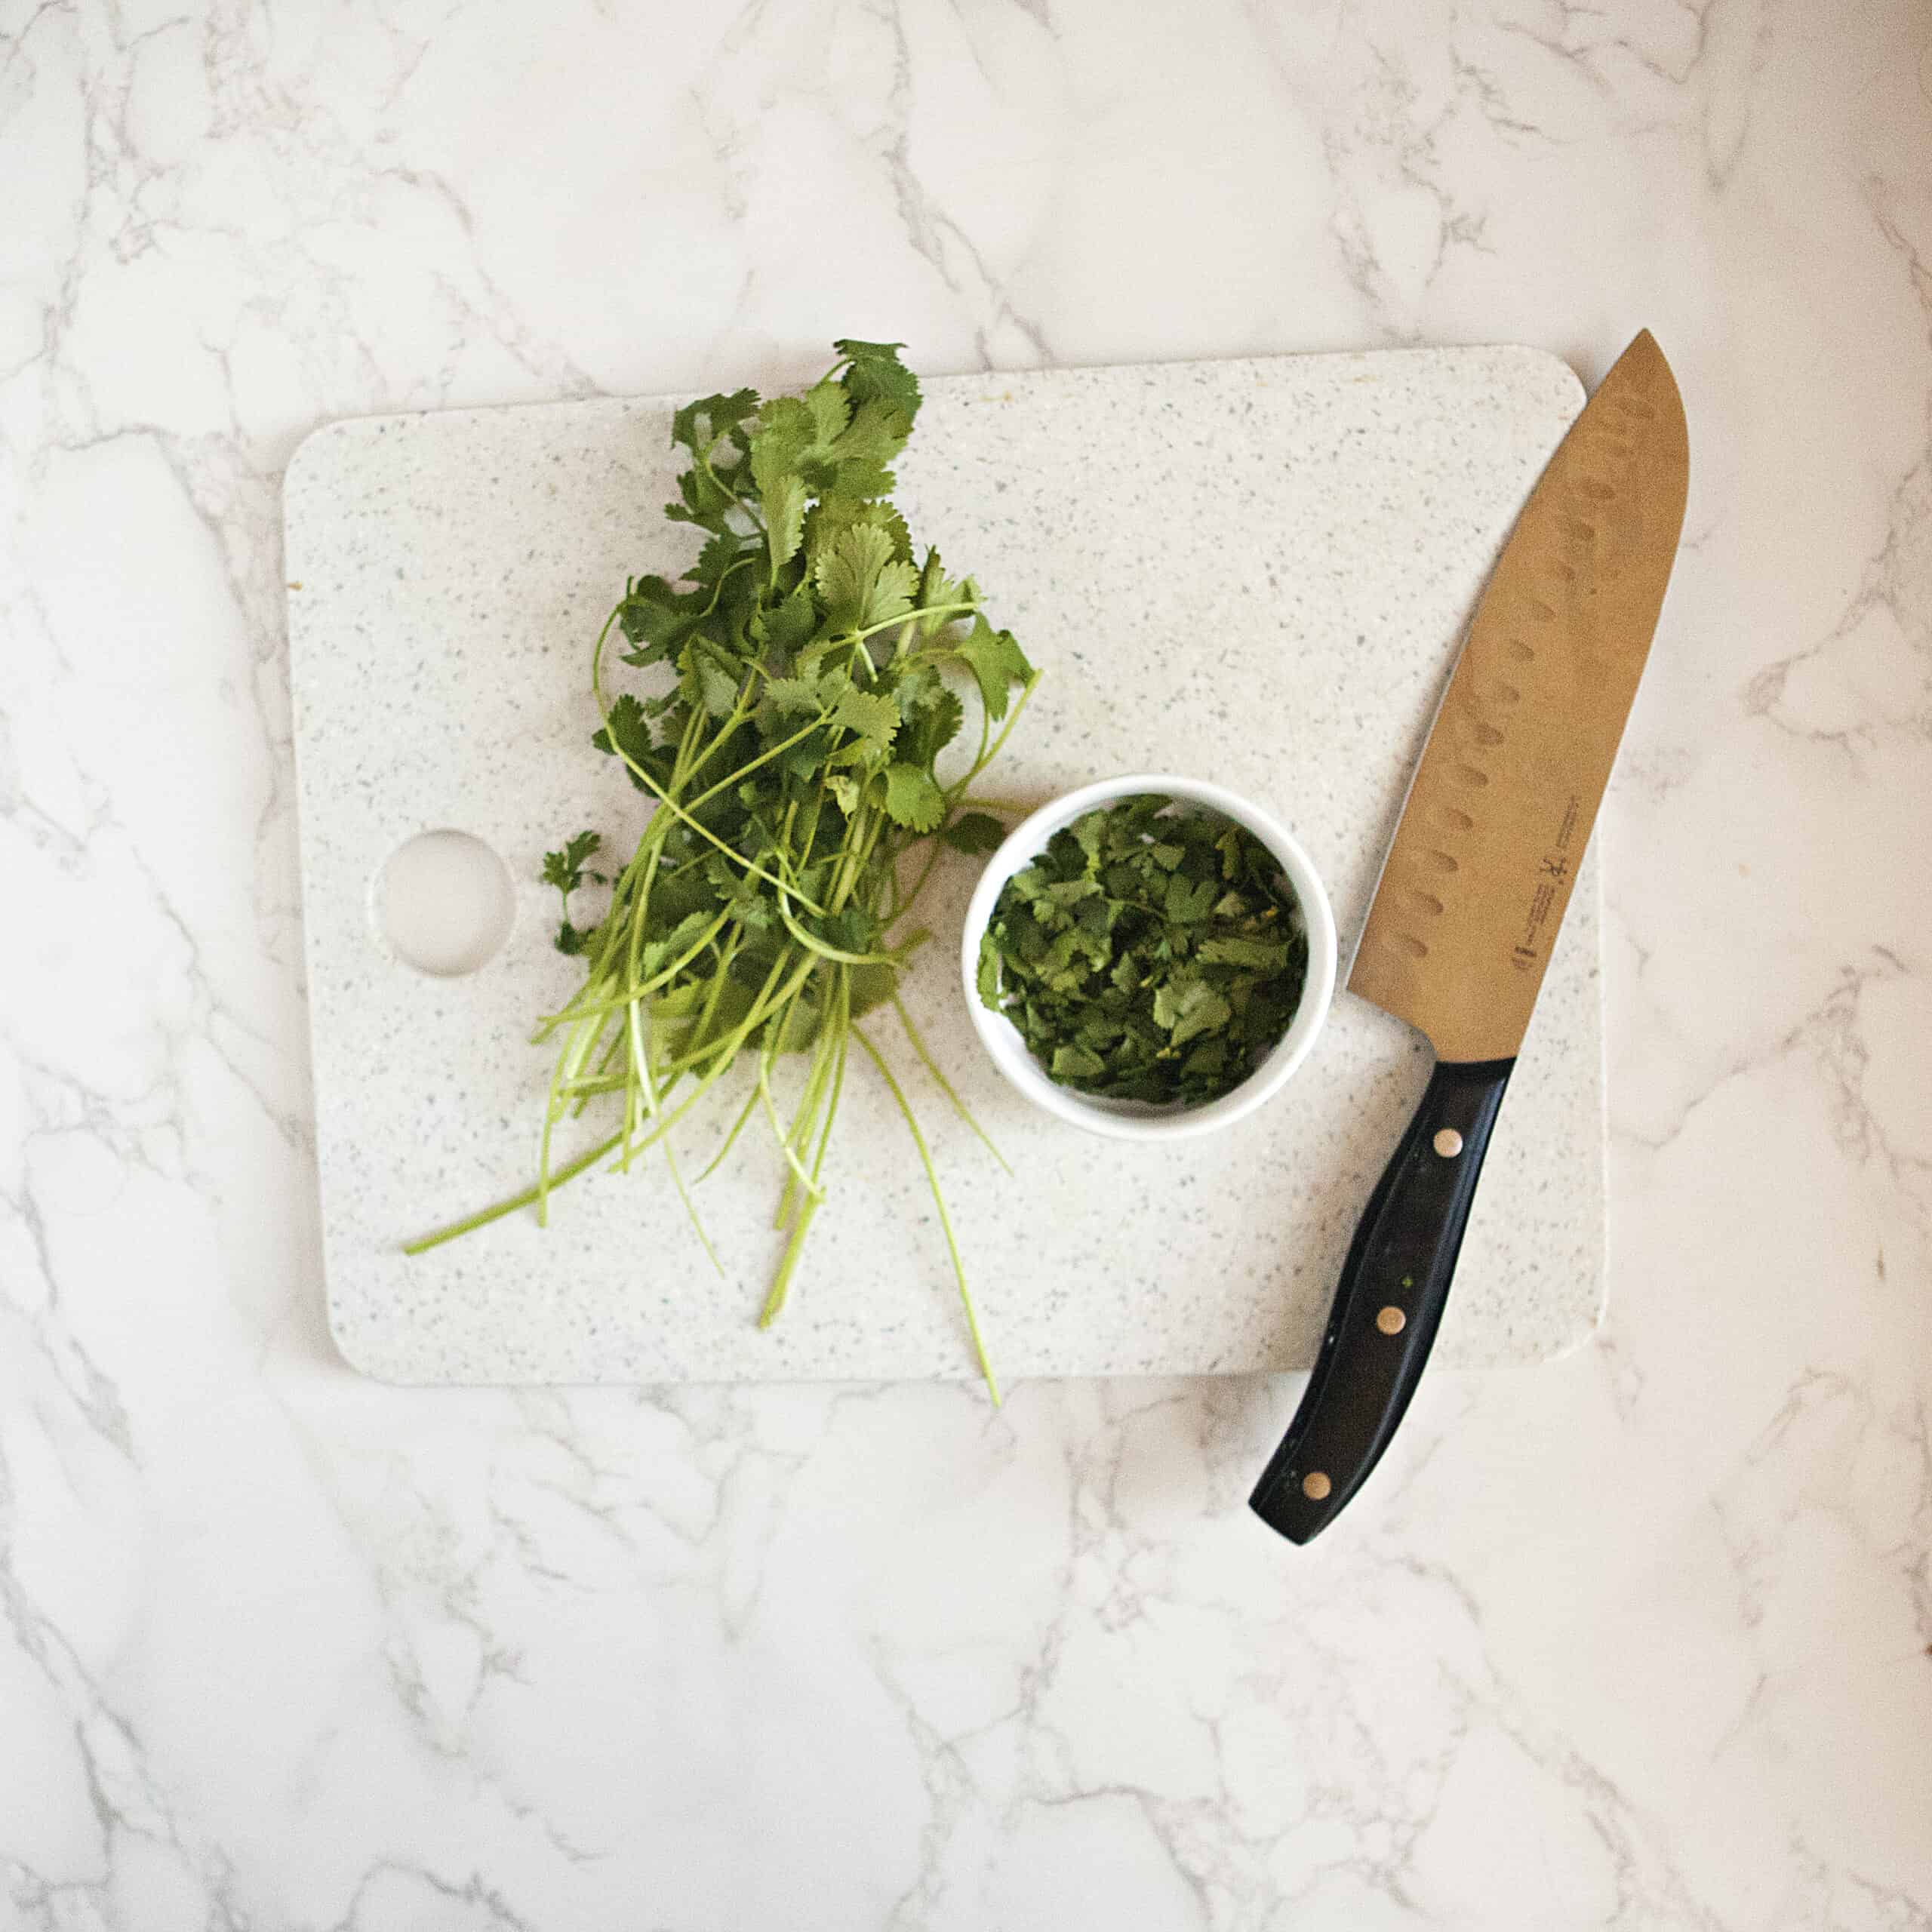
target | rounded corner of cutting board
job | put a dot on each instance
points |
(1567, 386)
(1586, 1332)
(1587, 1326)
(365, 1354)
(318, 451)
(1508, 1347)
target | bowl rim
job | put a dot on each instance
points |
(1140, 1121)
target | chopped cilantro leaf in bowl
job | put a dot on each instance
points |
(1149, 957)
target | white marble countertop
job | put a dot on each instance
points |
(1641, 1639)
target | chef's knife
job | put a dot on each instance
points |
(1474, 887)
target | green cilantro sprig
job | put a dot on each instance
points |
(1147, 954)
(566, 871)
(799, 688)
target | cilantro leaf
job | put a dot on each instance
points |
(891, 594)
(658, 953)
(566, 870)
(699, 425)
(1077, 1062)
(837, 512)
(986, 979)
(912, 798)
(974, 831)
(933, 715)
(871, 986)
(704, 500)
(657, 619)
(938, 595)
(875, 434)
(1264, 955)
(846, 571)
(875, 373)
(714, 561)
(628, 735)
(875, 718)
(785, 436)
(996, 662)
(794, 697)
(711, 686)
(787, 625)
(830, 408)
(783, 503)
(862, 583)
(801, 437)
(1199, 1009)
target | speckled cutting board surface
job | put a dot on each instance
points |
(1256, 571)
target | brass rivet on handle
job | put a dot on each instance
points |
(1391, 1320)
(1316, 1486)
(1448, 1143)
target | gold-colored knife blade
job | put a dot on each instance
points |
(1460, 929)
(1475, 887)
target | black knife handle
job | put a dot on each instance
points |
(1388, 1304)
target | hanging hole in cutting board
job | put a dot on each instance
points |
(444, 903)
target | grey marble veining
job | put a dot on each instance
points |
(1258, 570)
(1638, 1639)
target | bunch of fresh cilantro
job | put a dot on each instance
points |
(800, 684)
(1147, 954)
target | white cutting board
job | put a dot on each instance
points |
(1256, 571)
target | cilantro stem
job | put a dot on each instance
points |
(631, 994)
(737, 1126)
(637, 1075)
(715, 991)
(752, 867)
(1019, 705)
(1000, 807)
(781, 1279)
(836, 954)
(859, 1034)
(712, 476)
(527, 1198)
(944, 1085)
(799, 1138)
(727, 1044)
(641, 1063)
(570, 1063)
(778, 1133)
(763, 757)
(905, 617)
(690, 1211)
(903, 906)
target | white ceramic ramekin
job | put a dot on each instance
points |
(1140, 1120)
